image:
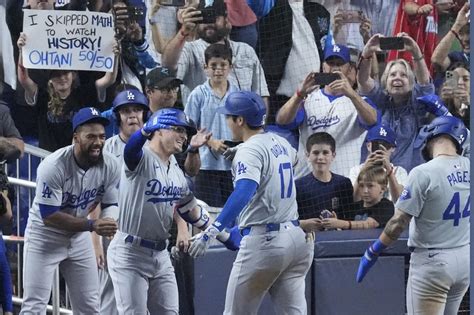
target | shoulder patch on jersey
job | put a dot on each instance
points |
(241, 168)
(406, 194)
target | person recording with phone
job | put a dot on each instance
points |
(213, 26)
(460, 31)
(381, 143)
(335, 108)
(396, 95)
(455, 91)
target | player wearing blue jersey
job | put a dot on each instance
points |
(70, 183)
(274, 254)
(436, 204)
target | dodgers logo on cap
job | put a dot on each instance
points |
(130, 95)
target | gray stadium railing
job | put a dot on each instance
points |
(29, 183)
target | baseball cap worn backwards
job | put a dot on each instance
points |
(161, 77)
(339, 51)
(88, 115)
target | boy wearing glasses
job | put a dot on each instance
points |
(202, 108)
(381, 143)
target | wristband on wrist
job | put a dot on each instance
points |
(419, 58)
(300, 95)
(192, 149)
(391, 172)
(455, 34)
(90, 224)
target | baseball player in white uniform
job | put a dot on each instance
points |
(71, 182)
(151, 186)
(436, 204)
(130, 108)
(274, 254)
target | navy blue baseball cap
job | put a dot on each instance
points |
(88, 115)
(382, 132)
(339, 51)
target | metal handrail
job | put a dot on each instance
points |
(30, 151)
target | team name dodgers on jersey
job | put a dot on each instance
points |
(164, 193)
(459, 177)
(72, 201)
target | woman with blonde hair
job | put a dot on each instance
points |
(396, 96)
(62, 98)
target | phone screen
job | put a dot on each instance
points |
(391, 43)
(325, 78)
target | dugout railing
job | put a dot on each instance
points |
(22, 174)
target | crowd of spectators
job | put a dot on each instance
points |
(370, 112)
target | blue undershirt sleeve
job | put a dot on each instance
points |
(244, 191)
(47, 210)
(133, 150)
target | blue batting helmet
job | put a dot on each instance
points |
(168, 117)
(246, 104)
(443, 125)
(130, 97)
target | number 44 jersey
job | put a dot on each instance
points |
(438, 196)
(267, 159)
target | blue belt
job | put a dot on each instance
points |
(155, 245)
(270, 227)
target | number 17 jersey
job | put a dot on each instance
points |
(438, 196)
(267, 159)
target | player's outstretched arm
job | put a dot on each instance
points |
(189, 210)
(395, 226)
(244, 191)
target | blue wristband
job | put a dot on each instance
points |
(90, 224)
(378, 246)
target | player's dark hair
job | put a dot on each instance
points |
(458, 64)
(218, 51)
(321, 138)
(234, 119)
(373, 173)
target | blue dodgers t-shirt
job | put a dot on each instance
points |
(313, 195)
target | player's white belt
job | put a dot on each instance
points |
(269, 227)
(155, 245)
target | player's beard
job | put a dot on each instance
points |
(91, 156)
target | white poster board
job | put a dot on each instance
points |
(68, 40)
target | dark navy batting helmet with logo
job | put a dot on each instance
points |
(444, 125)
(130, 97)
(246, 104)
